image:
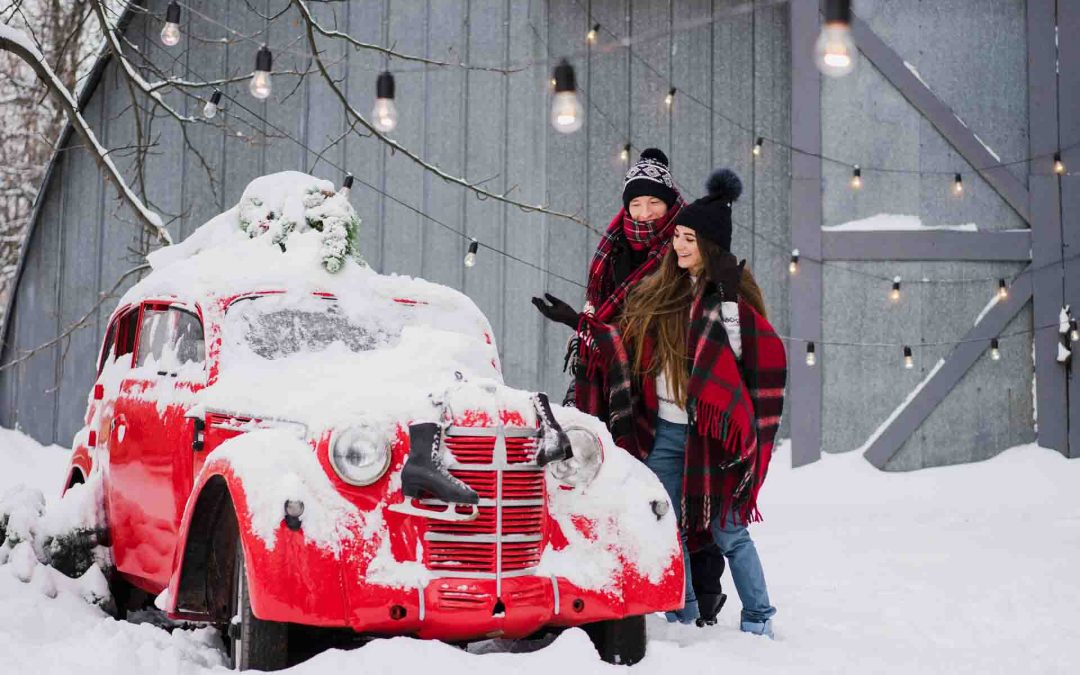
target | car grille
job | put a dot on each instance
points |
(506, 537)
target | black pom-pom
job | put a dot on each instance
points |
(655, 154)
(724, 185)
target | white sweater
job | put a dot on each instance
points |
(669, 409)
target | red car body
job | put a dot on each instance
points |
(167, 479)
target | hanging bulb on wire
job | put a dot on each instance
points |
(384, 113)
(757, 146)
(567, 115)
(856, 178)
(1074, 331)
(909, 360)
(170, 34)
(260, 85)
(995, 353)
(593, 33)
(625, 154)
(346, 186)
(811, 359)
(793, 266)
(670, 98)
(958, 185)
(1003, 290)
(211, 107)
(1059, 166)
(470, 257)
(894, 295)
(834, 51)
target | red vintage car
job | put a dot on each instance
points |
(295, 455)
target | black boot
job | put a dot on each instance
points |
(554, 443)
(706, 567)
(423, 473)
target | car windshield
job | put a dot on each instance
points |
(279, 325)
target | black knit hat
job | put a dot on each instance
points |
(710, 216)
(649, 176)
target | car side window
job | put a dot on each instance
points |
(189, 342)
(106, 350)
(153, 335)
(126, 328)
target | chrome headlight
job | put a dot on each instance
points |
(359, 456)
(580, 469)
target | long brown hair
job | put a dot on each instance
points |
(659, 307)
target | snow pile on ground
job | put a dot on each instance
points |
(958, 569)
(894, 222)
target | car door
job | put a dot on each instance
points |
(150, 442)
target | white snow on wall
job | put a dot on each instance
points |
(894, 222)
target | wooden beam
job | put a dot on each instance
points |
(805, 294)
(1009, 245)
(1050, 376)
(1068, 20)
(940, 115)
(907, 419)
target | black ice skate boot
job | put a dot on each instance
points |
(554, 444)
(706, 567)
(424, 476)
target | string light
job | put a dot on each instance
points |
(834, 51)
(995, 354)
(856, 178)
(958, 185)
(757, 146)
(909, 360)
(1003, 290)
(260, 85)
(346, 186)
(895, 294)
(385, 112)
(625, 154)
(1059, 166)
(591, 36)
(793, 266)
(1074, 331)
(811, 359)
(670, 98)
(170, 34)
(470, 257)
(567, 115)
(211, 107)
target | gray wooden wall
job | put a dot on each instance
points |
(494, 127)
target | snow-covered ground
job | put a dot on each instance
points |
(972, 568)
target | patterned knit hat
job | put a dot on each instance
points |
(650, 176)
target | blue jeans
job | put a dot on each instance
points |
(667, 461)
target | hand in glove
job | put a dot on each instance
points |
(558, 311)
(728, 273)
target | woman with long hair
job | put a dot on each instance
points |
(694, 380)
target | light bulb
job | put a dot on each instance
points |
(625, 154)
(856, 178)
(958, 185)
(170, 34)
(793, 266)
(470, 257)
(1059, 166)
(211, 107)
(811, 359)
(260, 80)
(757, 146)
(593, 33)
(384, 113)
(567, 115)
(1003, 290)
(894, 295)
(834, 51)
(995, 353)
(909, 360)
(1074, 331)
(670, 98)
(346, 187)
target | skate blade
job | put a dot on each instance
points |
(449, 514)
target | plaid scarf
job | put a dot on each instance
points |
(638, 234)
(734, 409)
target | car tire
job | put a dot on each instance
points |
(254, 644)
(619, 641)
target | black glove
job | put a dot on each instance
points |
(728, 273)
(558, 311)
